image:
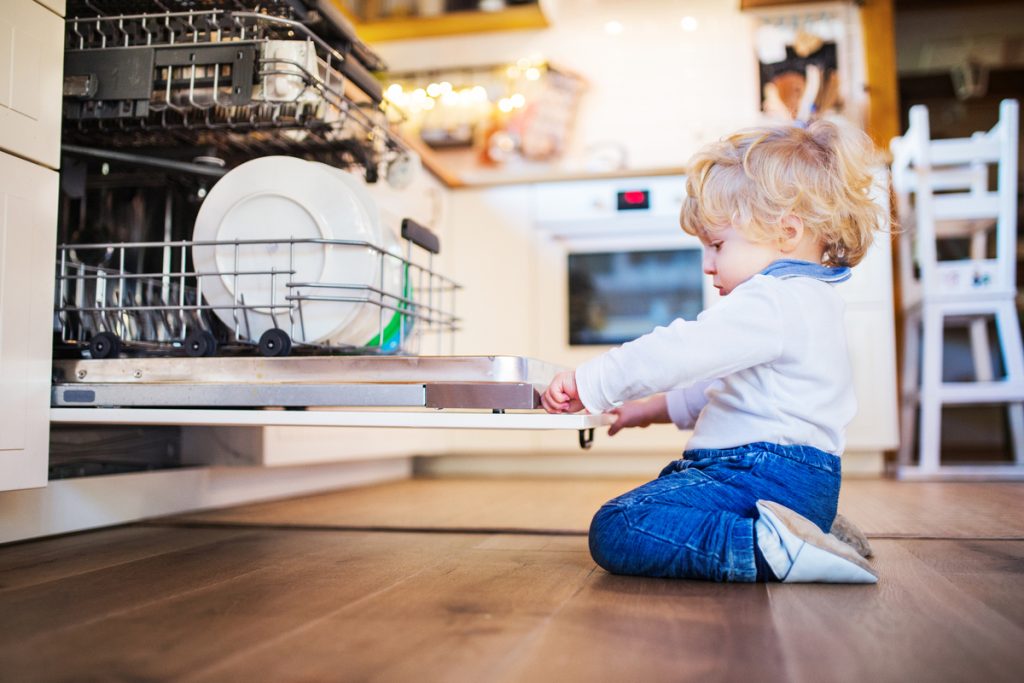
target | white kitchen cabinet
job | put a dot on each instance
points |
(28, 219)
(31, 64)
(58, 6)
(492, 256)
(31, 67)
(872, 344)
(289, 446)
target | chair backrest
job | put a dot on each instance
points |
(942, 191)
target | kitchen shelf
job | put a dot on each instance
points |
(513, 18)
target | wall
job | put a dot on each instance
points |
(657, 89)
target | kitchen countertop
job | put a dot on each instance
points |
(485, 177)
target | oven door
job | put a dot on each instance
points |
(602, 291)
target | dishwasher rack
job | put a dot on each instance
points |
(245, 83)
(146, 298)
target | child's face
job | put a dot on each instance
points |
(732, 259)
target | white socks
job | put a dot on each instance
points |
(799, 552)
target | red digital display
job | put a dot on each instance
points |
(630, 200)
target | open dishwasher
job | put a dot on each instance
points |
(163, 101)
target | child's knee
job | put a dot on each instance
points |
(608, 531)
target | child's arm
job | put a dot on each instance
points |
(685, 405)
(681, 406)
(640, 413)
(742, 331)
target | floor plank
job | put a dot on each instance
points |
(163, 622)
(990, 571)
(455, 621)
(915, 624)
(883, 507)
(622, 628)
(26, 564)
(508, 504)
(879, 507)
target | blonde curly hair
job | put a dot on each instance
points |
(751, 179)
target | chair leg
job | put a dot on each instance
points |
(911, 391)
(1016, 411)
(1008, 328)
(931, 389)
(980, 350)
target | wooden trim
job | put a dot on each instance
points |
(883, 115)
(882, 123)
(514, 18)
(433, 163)
(761, 4)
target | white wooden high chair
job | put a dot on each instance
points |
(942, 193)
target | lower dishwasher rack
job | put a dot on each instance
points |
(433, 392)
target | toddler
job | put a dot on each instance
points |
(763, 377)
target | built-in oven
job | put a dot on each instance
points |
(618, 293)
(615, 264)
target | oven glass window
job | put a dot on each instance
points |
(615, 297)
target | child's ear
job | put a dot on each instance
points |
(792, 232)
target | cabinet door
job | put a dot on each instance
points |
(31, 68)
(872, 342)
(28, 230)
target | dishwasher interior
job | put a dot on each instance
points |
(155, 321)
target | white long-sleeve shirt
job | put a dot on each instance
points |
(767, 363)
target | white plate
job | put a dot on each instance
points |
(372, 319)
(282, 198)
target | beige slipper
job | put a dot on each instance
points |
(799, 552)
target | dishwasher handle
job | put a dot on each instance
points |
(420, 235)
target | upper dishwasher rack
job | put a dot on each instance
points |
(241, 82)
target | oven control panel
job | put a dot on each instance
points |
(639, 204)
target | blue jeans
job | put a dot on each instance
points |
(696, 520)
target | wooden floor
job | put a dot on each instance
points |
(490, 580)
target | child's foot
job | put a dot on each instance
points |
(847, 532)
(799, 552)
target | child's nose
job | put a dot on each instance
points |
(708, 264)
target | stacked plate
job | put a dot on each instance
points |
(283, 203)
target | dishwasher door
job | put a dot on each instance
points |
(443, 392)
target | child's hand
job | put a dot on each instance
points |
(640, 413)
(561, 395)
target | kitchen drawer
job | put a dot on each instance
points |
(31, 68)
